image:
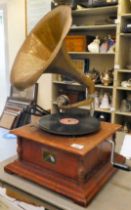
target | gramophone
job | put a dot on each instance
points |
(74, 164)
(43, 52)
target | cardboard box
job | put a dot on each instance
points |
(75, 43)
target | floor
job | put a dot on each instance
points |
(116, 194)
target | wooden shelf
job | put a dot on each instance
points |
(103, 110)
(123, 113)
(77, 84)
(70, 85)
(66, 83)
(95, 10)
(93, 27)
(126, 15)
(124, 70)
(122, 88)
(125, 35)
(104, 87)
(89, 53)
(98, 110)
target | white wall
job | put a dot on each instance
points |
(35, 11)
(14, 28)
(16, 25)
(4, 88)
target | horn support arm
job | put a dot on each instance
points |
(64, 65)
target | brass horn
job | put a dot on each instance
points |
(43, 52)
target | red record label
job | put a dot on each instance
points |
(69, 121)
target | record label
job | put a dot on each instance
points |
(69, 121)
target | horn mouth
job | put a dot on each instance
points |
(41, 47)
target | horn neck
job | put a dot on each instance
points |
(63, 65)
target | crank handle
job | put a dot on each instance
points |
(124, 167)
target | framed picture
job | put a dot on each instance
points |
(16, 103)
(7, 119)
(29, 94)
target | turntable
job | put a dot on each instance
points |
(68, 152)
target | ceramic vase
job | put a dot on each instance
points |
(124, 106)
(105, 102)
(93, 47)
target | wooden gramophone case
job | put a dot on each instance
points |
(76, 167)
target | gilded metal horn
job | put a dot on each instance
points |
(43, 52)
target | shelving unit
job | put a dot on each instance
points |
(93, 22)
(123, 71)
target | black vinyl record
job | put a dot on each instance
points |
(71, 123)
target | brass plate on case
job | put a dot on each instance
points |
(49, 157)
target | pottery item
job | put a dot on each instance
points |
(106, 77)
(112, 49)
(129, 100)
(105, 102)
(104, 47)
(125, 127)
(124, 106)
(126, 84)
(111, 41)
(62, 100)
(93, 47)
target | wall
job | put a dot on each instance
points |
(3, 68)
(16, 27)
(36, 10)
(16, 32)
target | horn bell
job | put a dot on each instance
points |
(43, 52)
(41, 47)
